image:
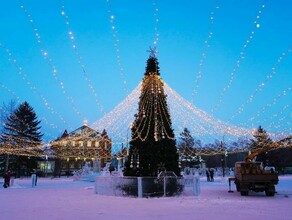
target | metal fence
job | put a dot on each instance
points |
(147, 186)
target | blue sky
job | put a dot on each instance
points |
(183, 28)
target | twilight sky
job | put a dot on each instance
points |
(74, 60)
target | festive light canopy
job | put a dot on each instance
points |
(118, 122)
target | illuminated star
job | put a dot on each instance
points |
(153, 51)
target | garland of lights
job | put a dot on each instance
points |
(267, 106)
(15, 130)
(206, 46)
(151, 95)
(156, 20)
(240, 58)
(78, 56)
(157, 101)
(261, 85)
(10, 91)
(281, 120)
(46, 121)
(32, 86)
(117, 41)
(49, 60)
(218, 126)
(84, 145)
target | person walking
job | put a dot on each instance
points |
(7, 176)
(212, 175)
(208, 175)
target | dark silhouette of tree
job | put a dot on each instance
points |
(6, 110)
(261, 140)
(22, 136)
(187, 149)
(186, 143)
(152, 146)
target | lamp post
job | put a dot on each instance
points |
(223, 160)
(46, 166)
(224, 155)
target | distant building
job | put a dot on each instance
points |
(84, 144)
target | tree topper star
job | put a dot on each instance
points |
(153, 51)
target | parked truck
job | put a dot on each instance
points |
(251, 176)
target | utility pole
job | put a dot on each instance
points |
(223, 159)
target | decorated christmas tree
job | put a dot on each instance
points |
(152, 146)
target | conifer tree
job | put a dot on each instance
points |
(261, 140)
(21, 131)
(152, 146)
(186, 143)
(6, 110)
(21, 138)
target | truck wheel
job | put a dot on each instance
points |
(270, 191)
(237, 187)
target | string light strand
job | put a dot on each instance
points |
(256, 26)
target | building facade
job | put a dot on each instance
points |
(84, 145)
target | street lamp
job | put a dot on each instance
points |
(46, 167)
(224, 155)
(223, 159)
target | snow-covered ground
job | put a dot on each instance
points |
(65, 199)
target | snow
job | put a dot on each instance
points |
(65, 199)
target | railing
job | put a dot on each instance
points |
(147, 186)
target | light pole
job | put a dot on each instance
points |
(223, 148)
(46, 166)
(223, 159)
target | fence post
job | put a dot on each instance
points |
(196, 186)
(33, 180)
(164, 186)
(140, 190)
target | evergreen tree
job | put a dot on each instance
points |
(152, 146)
(21, 137)
(186, 140)
(6, 111)
(261, 140)
(186, 144)
(186, 148)
(21, 131)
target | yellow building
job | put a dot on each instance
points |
(84, 144)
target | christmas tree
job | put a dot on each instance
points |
(152, 146)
